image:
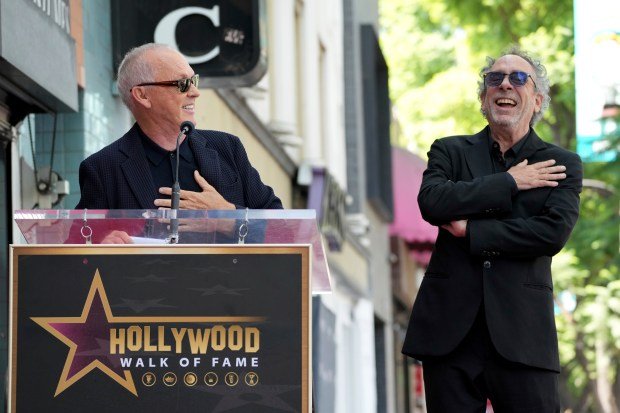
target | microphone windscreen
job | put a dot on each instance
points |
(187, 127)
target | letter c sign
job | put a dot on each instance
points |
(165, 30)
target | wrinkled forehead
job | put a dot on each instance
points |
(169, 65)
(510, 63)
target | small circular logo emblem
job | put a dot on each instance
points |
(251, 379)
(170, 379)
(148, 379)
(231, 379)
(190, 379)
(211, 379)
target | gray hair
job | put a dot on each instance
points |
(541, 79)
(134, 69)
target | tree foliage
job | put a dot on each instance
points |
(594, 325)
(434, 50)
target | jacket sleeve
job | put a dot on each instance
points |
(443, 198)
(540, 235)
(256, 194)
(92, 191)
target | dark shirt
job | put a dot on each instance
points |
(503, 162)
(162, 164)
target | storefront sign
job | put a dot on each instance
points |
(220, 39)
(37, 58)
(329, 201)
(57, 11)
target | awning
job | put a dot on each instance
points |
(407, 169)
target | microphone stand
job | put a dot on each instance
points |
(176, 191)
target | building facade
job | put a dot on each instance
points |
(39, 73)
(315, 126)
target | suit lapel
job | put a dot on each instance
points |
(477, 154)
(206, 158)
(136, 170)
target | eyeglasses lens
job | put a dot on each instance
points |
(185, 84)
(518, 78)
(494, 79)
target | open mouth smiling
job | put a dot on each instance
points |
(505, 103)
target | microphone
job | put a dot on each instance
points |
(185, 129)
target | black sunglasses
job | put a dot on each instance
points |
(182, 84)
(494, 79)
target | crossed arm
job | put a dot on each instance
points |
(464, 207)
(526, 176)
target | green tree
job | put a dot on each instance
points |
(593, 362)
(434, 50)
(433, 78)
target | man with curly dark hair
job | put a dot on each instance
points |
(505, 202)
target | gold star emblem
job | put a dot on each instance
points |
(84, 335)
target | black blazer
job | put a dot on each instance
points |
(505, 259)
(118, 176)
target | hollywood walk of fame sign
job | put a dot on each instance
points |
(111, 328)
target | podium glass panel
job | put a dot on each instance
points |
(141, 227)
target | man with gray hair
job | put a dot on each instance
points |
(505, 202)
(136, 171)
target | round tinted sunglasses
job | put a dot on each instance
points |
(494, 79)
(182, 84)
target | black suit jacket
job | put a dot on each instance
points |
(505, 260)
(118, 176)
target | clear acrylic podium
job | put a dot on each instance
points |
(284, 227)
